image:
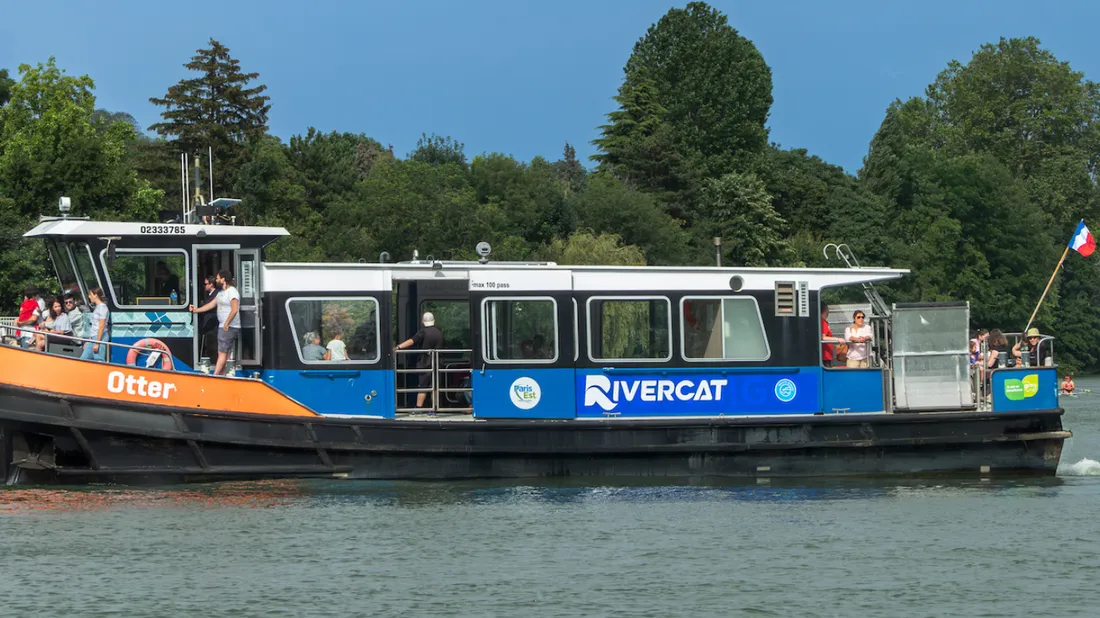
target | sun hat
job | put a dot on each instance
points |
(1033, 332)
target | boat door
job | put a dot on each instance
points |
(207, 261)
(523, 343)
(247, 271)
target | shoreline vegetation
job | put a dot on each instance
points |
(975, 186)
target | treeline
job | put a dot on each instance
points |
(976, 186)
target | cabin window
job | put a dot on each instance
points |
(629, 329)
(326, 330)
(66, 273)
(521, 330)
(723, 328)
(145, 278)
(85, 267)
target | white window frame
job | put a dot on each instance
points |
(185, 283)
(350, 361)
(722, 322)
(588, 323)
(489, 330)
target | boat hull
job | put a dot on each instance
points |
(49, 438)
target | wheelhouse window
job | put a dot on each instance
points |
(521, 330)
(332, 330)
(63, 266)
(85, 267)
(147, 278)
(723, 328)
(629, 329)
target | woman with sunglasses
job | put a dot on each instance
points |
(858, 336)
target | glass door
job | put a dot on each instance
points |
(247, 271)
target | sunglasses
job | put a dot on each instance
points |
(859, 317)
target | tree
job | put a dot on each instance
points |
(712, 83)
(6, 84)
(437, 150)
(751, 230)
(217, 109)
(608, 206)
(49, 147)
(586, 247)
(570, 172)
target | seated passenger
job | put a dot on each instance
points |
(337, 349)
(312, 350)
(858, 336)
(1033, 340)
(1000, 355)
(28, 317)
(61, 325)
(75, 315)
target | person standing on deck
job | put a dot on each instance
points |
(828, 350)
(97, 328)
(228, 304)
(858, 336)
(427, 338)
(208, 324)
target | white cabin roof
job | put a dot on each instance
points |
(304, 277)
(98, 229)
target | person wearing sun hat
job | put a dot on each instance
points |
(1033, 339)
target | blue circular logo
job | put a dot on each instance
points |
(785, 390)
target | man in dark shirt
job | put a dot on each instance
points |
(427, 338)
(208, 322)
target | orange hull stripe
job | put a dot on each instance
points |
(68, 376)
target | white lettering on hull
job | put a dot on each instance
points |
(119, 382)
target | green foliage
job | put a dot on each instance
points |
(217, 109)
(436, 150)
(6, 84)
(712, 81)
(746, 221)
(586, 247)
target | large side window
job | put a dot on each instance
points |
(147, 277)
(629, 329)
(333, 330)
(521, 330)
(85, 268)
(723, 328)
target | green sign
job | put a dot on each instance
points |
(1023, 388)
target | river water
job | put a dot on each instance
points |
(918, 547)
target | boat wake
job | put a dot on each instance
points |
(1085, 467)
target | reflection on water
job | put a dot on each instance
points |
(413, 494)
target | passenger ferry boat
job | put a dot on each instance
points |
(547, 370)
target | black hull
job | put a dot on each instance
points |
(45, 438)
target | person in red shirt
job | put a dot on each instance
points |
(828, 350)
(28, 316)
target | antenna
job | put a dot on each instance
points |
(210, 154)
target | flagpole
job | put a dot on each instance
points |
(1052, 276)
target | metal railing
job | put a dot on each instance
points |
(6, 330)
(443, 365)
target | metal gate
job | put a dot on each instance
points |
(932, 356)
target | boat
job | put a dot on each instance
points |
(546, 370)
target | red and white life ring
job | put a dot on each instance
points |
(151, 344)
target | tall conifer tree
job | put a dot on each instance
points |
(216, 109)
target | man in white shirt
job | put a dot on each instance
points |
(228, 304)
(858, 337)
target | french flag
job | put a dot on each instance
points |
(1082, 241)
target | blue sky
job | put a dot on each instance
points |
(524, 77)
